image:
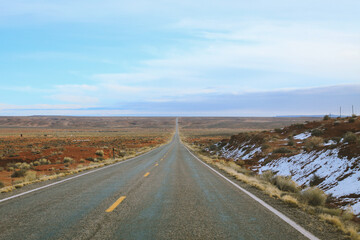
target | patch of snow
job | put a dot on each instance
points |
(302, 136)
(330, 142)
(251, 154)
(356, 207)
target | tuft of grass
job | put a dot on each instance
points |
(68, 160)
(30, 176)
(2, 184)
(326, 117)
(314, 196)
(100, 153)
(317, 132)
(36, 163)
(286, 184)
(350, 137)
(290, 200)
(44, 161)
(313, 142)
(334, 220)
(348, 214)
(330, 211)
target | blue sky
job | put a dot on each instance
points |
(207, 58)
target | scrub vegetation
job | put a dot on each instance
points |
(34, 149)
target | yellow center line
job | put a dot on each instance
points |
(156, 164)
(146, 174)
(115, 204)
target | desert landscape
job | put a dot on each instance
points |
(33, 147)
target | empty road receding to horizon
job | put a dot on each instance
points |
(164, 194)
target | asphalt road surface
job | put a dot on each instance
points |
(164, 194)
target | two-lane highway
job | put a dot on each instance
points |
(164, 194)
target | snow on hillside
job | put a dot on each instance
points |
(244, 152)
(341, 179)
(329, 149)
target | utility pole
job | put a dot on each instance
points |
(114, 153)
(352, 107)
(340, 112)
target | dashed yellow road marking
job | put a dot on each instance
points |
(115, 204)
(146, 174)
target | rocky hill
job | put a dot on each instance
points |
(323, 153)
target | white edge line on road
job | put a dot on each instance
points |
(70, 178)
(270, 208)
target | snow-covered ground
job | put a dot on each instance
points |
(341, 175)
(341, 178)
(243, 152)
(302, 136)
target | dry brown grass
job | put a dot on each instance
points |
(290, 200)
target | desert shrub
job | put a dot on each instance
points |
(314, 196)
(326, 117)
(286, 184)
(1, 169)
(350, 137)
(68, 160)
(90, 159)
(82, 161)
(36, 163)
(23, 165)
(291, 142)
(122, 154)
(30, 176)
(317, 132)
(18, 173)
(268, 176)
(313, 142)
(348, 214)
(282, 150)
(100, 153)
(336, 123)
(315, 180)
(351, 120)
(278, 130)
(43, 161)
(264, 147)
(2, 184)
